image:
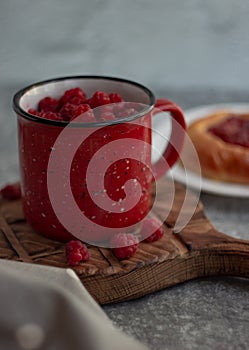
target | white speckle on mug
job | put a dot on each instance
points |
(43, 215)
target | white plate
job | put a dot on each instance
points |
(207, 185)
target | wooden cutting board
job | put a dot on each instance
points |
(198, 250)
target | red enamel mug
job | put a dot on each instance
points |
(91, 179)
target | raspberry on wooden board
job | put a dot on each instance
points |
(152, 230)
(76, 251)
(125, 245)
(11, 191)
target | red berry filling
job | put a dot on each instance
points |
(76, 251)
(11, 192)
(232, 130)
(152, 230)
(125, 245)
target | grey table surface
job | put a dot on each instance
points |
(192, 52)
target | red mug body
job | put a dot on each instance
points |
(90, 181)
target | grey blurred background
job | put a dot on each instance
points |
(180, 49)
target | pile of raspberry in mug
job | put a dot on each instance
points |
(74, 103)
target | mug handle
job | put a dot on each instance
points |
(175, 144)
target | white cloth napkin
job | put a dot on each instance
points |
(49, 308)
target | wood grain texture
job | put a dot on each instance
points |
(198, 250)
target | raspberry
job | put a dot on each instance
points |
(99, 98)
(107, 116)
(85, 112)
(74, 103)
(125, 245)
(66, 111)
(82, 108)
(126, 112)
(51, 116)
(34, 112)
(152, 230)
(77, 100)
(102, 110)
(115, 98)
(73, 245)
(48, 104)
(11, 192)
(74, 258)
(76, 251)
(72, 93)
(106, 108)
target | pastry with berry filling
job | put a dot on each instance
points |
(222, 144)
